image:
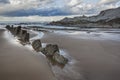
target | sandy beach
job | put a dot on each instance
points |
(91, 57)
(96, 58)
(20, 63)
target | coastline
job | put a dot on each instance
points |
(89, 58)
(18, 62)
(94, 58)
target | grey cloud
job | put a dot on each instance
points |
(4, 1)
(50, 8)
(107, 2)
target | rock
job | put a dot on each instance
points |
(26, 37)
(60, 58)
(22, 32)
(51, 49)
(37, 45)
(43, 51)
(13, 31)
(8, 27)
(17, 30)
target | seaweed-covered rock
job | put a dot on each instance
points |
(60, 58)
(37, 45)
(51, 49)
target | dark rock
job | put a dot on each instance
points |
(37, 45)
(13, 31)
(8, 27)
(43, 51)
(26, 37)
(60, 58)
(17, 30)
(22, 32)
(51, 49)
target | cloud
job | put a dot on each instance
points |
(74, 3)
(35, 7)
(19, 8)
(16, 5)
(32, 12)
(34, 18)
(107, 2)
(4, 1)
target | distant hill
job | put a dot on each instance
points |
(107, 18)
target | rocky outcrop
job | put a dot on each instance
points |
(17, 30)
(51, 49)
(60, 58)
(21, 34)
(37, 45)
(25, 37)
(8, 27)
(106, 19)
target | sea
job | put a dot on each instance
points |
(85, 33)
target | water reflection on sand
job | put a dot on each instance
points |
(94, 34)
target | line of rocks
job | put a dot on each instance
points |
(51, 50)
(23, 35)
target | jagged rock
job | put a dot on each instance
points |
(60, 58)
(22, 32)
(17, 30)
(51, 49)
(37, 45)
(13, 31)
(26, 37)
(8, 27)
(43, 51)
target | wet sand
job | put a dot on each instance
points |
(89, 59)
(95, 59)
(20, 63)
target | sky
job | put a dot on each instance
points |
(49, 10)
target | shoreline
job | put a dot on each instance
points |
(95, 59)
(89, 59)
(18, 62)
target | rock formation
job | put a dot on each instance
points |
(21, 34)
(51, 49)
(37, 45)
(60, 58)
(17, 30)
(25, 37)
(105, 19)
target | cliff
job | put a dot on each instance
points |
(107, 18)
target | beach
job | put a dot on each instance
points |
(92, 56)
(20, 63)
(95, 58)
